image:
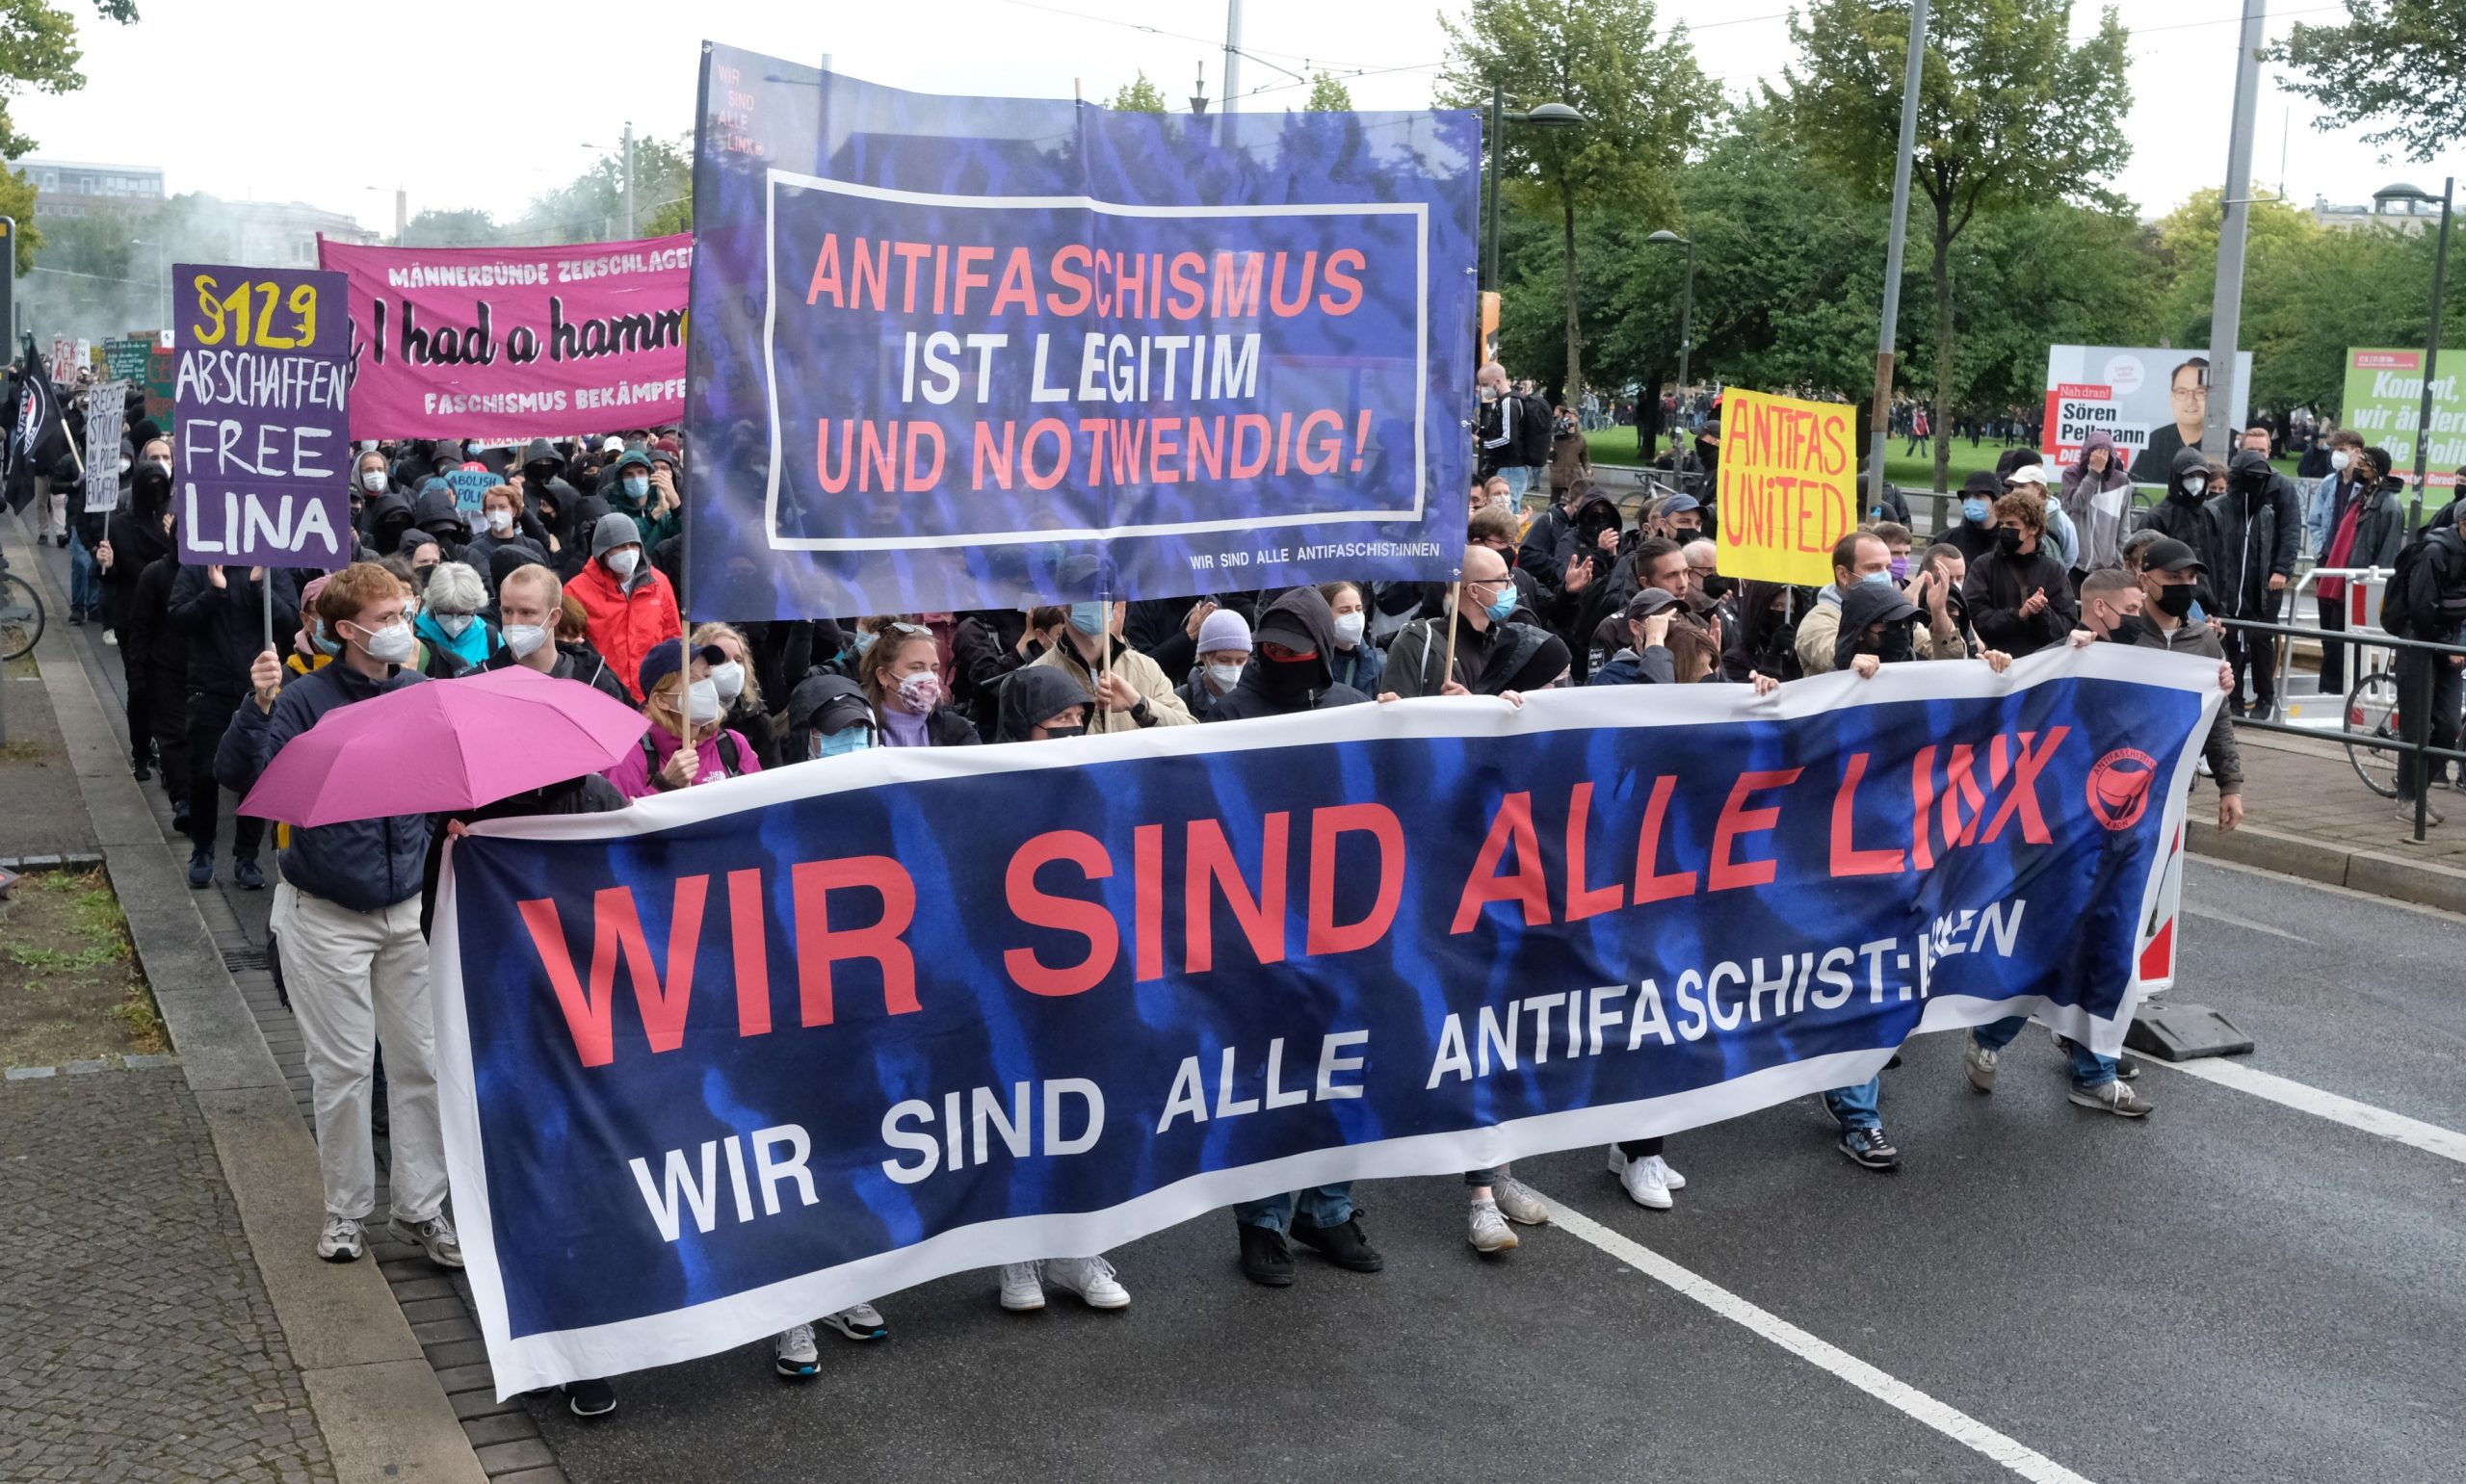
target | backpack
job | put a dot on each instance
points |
(1533, 436)
(2421, 600)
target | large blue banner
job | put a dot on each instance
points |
(979, 353)
(747, 1054)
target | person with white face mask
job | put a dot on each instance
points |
(1358, 662)
(347, 916)
(529, 602)
(740, 691)
(1224, 652)
(502, 529)
(627, 603)
(687, 744)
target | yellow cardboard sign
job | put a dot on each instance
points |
(1788, 487)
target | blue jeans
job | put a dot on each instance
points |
(1321, 1206)
(2088, 1068)
(85, 577)
(1519, 479)
(1855, 1107)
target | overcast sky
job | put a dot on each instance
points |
(340, 102)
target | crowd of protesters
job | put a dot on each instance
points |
(568, 565)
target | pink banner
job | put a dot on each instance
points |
(516, 341)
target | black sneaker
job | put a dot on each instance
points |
(1342, 1245)
(250, 877)
(140, 770)
(1868, 1147)
(1265, 1258)
(201, 866)
(590, 1399)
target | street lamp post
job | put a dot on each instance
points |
(1546, 115)
(1686, 301)
(162, 276)
(2431, 355)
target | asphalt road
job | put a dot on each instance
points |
(2233, 1290)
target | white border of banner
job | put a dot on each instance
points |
(1418, 211)
(546, 1358)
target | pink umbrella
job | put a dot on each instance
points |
(442, 746)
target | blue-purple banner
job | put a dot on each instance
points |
(978, 352)
(743, 1055)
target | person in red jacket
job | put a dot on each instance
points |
(627, 605)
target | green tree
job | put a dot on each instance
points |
(1641, 94)
(592, 208)
(39, 52)
(1328, 95)
(2400, 63)
(1139, 97)
(2010, 110)
(466, 227)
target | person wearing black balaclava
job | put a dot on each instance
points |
(2256, 545)
(136, 535)
(1291, 668)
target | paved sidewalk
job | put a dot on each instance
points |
(340, 1337)
(137, 1341)
(2308, 814)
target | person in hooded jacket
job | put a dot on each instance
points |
(348, 918)
(2188, 516)
(629, 606)
(1974, 534)
(2257, 543)
(646, 493)
(828, 715)
(434, 511)
(136, 535)
(2019, 597)
(220, 612)
(1358, 662)
(546, 493)
(1041, 703)
(2096, 492)
(161, 652)
(384, 519)
(1290, 667)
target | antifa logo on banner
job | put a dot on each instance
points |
(2119, 787)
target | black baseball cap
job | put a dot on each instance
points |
(2168, 554)
(1648, 602)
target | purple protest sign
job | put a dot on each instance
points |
(261, 370)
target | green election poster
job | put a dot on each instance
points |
(2384, 402)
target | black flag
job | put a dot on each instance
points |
(37, 437)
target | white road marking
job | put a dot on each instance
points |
(2232, 921)
(2429, 1137)
(1954, 1423)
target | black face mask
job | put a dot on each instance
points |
(1052, 733)
(2175, 600)
(1895, 646)
(1717, 587)
(2128, 629)
(1287, 679)
(2007, 540)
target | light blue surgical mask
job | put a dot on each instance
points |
(852, 738)
(637, 488)
(864, 640)
(1089, 618)
(1501, 605)
(1974, 510)
(1879, 578)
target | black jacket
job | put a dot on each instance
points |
(1293, 686)
(364, 865)
(1998, 585)
(589, 794)
(577, 662)
(154, 654)
(2256, 536)
(225, 625)
(1975, 542)
(2380, 526)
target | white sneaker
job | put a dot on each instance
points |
(1021, 1293)
(1644, 1186)
(1669, 1177)
(859, 1321)
(341, 1240)
(1519, 1202)
(1090, 1278)
(795, 1356)
(1617, 1161)
(1486, 1230)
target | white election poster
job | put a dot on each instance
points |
(2151, 402)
